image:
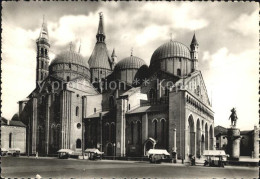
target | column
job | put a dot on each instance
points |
(47, 124)
(34, 124)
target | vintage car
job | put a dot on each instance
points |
(14, 152)
(93, 154)
(64, 153)
(158, 155)
(4, 152)
(215, 158)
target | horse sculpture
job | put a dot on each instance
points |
(233, 117)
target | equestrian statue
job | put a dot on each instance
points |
(233, 117)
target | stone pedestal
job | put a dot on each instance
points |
(233, 145)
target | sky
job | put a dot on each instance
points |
(227, 33)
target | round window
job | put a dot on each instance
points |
(78, 125)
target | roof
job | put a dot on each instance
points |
(194, 40)
(220, 130)
(96, 115)
(4, 122)
(70, 56)
(170, 49)
(246, 132)
(100, 57)
(146, 109)
(131, 62)
(214, 153)
(158, 151)
(93, 151)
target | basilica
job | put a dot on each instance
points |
(122, 107)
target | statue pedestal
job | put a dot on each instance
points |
(233, 145)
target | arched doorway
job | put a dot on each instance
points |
(211, 138)
(149, 144)
(202, 143)
(206, 137)
(109, 149)
(192, 136)
(198, 144)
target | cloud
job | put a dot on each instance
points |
(233, 78)
(246, 24)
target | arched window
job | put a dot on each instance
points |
(178, 72)
(113, 132)
(10, 140)
(132, 132)
(163, 137)
(77, 111)
(42, 51)
(166, 91)
(42, 64)
(107, 131)
(46, 52)
(139, 132)
(111, 101)
(155, 129)
(78, 143)
(42, 75)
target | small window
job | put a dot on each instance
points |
(95, 110)
(68, 78)
(10, 140)
(46, 52)
(77, 111)
(179, 59)
(100, 72)
(223, 137)
(179, 72)
(42, 51)
(78, 143)
(96, 79)
(78, 125)
(42, 64)
(129, 106)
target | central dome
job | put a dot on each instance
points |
(131, 62)
(69, 65)
(170, 49)
(70, 57)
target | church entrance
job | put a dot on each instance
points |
(149, 144)
(109, 149)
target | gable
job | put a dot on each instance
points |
(195, 85)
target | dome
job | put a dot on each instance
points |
(171, 49)
(70, 57)
(131, 62)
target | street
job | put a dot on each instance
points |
(67, 168)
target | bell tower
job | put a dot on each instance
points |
(43, 46)
(194, 51)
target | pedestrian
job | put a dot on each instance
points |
(36, 156)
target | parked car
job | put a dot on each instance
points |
(93, 154)
(215, 158)
(4, 152)
(64, 153)
(14, 152)
(158, 155)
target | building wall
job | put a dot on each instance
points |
(18, 137)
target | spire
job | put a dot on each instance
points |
(132, 49)
(113, 53)
(100, 33)
(79, 45)
(44, 30)
(194, 40)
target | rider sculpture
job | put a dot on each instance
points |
(233, 117)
